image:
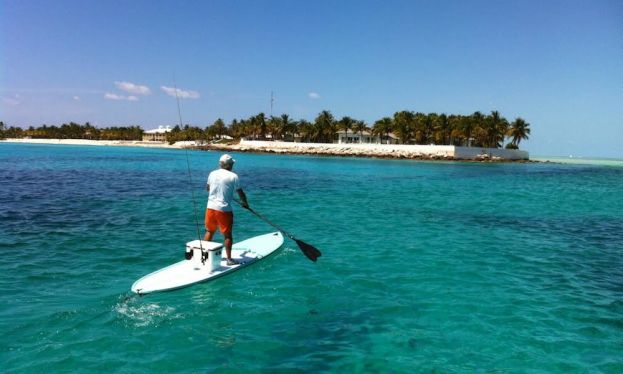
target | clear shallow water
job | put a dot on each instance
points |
(448, 267)
(580, 160)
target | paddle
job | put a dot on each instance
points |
(308, 250)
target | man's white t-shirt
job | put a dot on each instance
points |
(223, 183)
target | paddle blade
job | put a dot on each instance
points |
(309, 251)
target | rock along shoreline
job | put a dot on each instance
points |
(388, 151)
(393, 151)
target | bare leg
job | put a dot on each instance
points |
(228, 241)
(208, 236)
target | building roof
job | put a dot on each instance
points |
(351, 132)
(159, 130)
(366, 133)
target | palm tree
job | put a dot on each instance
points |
(274, 127)
(404, 125)
(256, 126)
(345, 124)
(442, 130)
(236, 128)
(241, 128)
(519, 129)
(429, 126)
(260, 122)
(91, 132)
(324, 127)
(382, 127)
(360, 127)
(495, 129)
(287, 126)
(10, 131)
(305, 129)
(475, 129)
(419, 128)
(218, 129)
(455, 129)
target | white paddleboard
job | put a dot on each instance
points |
(187, 272)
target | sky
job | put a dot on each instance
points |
(556, 64)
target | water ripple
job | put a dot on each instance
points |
(444, 267)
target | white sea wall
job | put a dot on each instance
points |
(385, 150)
(355, 148)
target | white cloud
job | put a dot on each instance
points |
(132, 88)
(314, 95)
(180, 93)
(76, 98)
(112, 96)
(10, 101)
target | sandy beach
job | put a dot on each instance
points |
(401, 151)
(123, 143)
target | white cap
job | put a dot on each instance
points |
(226, 159)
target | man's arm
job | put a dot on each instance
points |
(243, 198)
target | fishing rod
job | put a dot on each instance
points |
(189, 254)
(308, 250)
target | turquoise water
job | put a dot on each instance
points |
(427, 266)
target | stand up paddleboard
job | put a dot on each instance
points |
(208, 262)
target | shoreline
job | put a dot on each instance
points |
(387, 151)
(121, 143)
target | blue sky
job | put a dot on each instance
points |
(557, 64)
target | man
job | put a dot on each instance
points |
(221, 186)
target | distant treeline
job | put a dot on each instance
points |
(73, 130)
(478, 129)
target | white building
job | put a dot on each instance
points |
(365, 138)
(156, 135)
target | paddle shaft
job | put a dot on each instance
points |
(308, 250)
(270, 223)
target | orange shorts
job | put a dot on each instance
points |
(223, 220)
